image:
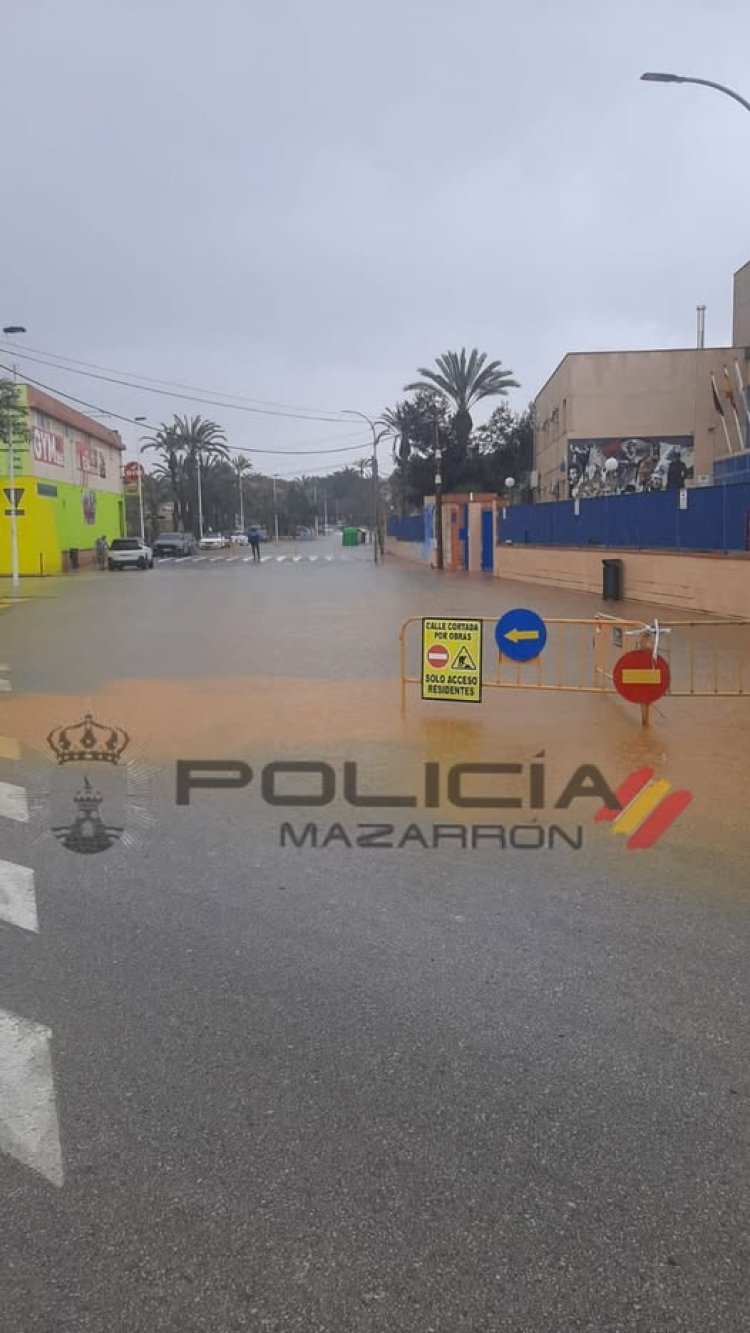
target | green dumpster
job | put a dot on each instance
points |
(349, 537)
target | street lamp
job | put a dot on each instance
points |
(275, 513)
(704, 83)
(10, 329)
(376, 438)
(439, 503)
(140, 448)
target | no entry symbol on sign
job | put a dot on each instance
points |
(437, 655)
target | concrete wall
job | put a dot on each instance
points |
(717, 584)
(617, 395)
(741, 316)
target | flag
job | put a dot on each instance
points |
(728, 390)
(715, 395)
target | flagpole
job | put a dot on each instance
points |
(720, 410)
(741, 387)
(730, 395)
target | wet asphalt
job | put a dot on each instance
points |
(340, 1088)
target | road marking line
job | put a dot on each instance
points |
(165, 559)
(196, 559)
(329, 557)
(217, 559)
(263, 559)
(9, 748)
(231, 559)
(312, 559)
(17, 896)
(29, 1129)
(280, 558)
(296, 559)
(13, 803)
(247, 558)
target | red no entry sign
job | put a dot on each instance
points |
(640, 677)
(437, 655)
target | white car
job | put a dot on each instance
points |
(130, 553)
(239, 539)
(213, 541)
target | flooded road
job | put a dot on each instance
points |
(298, 1080)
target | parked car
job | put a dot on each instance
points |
(130, 553)
(174, 544)
(213, 541)
(239, 539)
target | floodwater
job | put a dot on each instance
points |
(300, 657)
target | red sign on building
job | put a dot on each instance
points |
(91, 461)
(48, 447)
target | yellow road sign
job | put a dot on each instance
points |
(452, 660)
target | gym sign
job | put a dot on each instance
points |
(48, 447)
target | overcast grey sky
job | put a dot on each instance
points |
(304, 200)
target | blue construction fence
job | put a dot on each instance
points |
(409, 529)
(717, 518)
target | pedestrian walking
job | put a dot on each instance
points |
(255, 545)
(101, 552)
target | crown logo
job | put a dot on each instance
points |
(88, 740)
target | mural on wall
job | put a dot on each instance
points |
(89, 506)
(623, 466)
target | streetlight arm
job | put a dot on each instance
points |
(704, 83)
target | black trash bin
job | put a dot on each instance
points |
(73, 557)
(612, 580)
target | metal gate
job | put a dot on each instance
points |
(706, 657)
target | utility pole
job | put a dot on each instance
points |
(10, 329)
(439, 497)
(200, 497)
(275, 514)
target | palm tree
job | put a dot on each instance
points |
(166, 442)
(199, 439)
(396, 421)
(242, 466)
(464, 381)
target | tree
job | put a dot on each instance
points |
(417, 425)
(167, 443)
(504, 447)
(14, 421)
(201, 441)
(464, 381)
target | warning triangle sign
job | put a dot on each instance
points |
(463, 661)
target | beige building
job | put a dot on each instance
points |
(609, 422)
(741, 319)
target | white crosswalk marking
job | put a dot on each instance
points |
(13, 803)
(312, 559)
(329, 558)
(29, 1130)
(246, 559)
(296, 559)
(264, 558)
(280, 559)
(17, 896)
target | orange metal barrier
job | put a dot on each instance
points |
(706, 657)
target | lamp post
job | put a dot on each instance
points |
(138, 421)
(704, 83)
(10, 329)
(439, 504)
(376, 438)
(275, 514)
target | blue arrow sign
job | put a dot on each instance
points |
(520, 635)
